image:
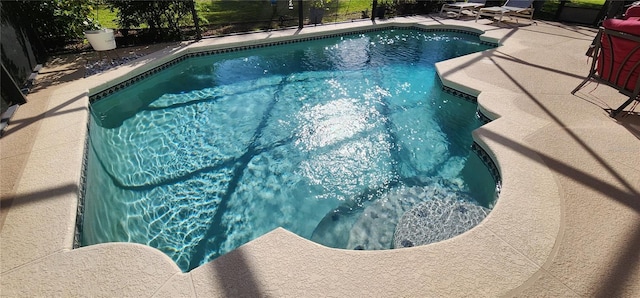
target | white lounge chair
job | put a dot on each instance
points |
(511, 8)
(458, 7)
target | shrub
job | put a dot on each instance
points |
(155, 15)
(53, 19)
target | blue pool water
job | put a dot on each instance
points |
(347, 141)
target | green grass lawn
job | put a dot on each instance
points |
(235, 12)
(586, 3)
(105, 17)
(352, 9)
(238, 11)
(550, 7)
(229, 11)
(223, 12)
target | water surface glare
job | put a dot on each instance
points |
(347, 141)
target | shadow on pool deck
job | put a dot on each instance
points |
(593, 159)
(614, 271)
(19, 137)
(620, 270)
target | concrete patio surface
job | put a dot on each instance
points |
(567, 223)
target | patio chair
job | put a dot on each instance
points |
(616, 60)
(511, 8)
(458, 7)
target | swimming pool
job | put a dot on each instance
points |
(339, 140)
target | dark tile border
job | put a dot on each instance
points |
(468, 97)
(458, 93)
(109, 91)
(82, 189)
(483, 117)
(477, 149)
(487, 160)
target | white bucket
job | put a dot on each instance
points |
(101, 40)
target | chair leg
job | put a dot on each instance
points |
(624, 105)
(580, 86)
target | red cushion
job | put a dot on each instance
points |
(632, 11)
(631, 25)
(618, 55)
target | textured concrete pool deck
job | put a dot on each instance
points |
(567, 223)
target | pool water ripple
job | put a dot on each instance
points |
(332, 139)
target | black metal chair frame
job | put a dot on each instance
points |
(615, 75)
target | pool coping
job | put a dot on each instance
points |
(501, 255)
(469, 242)
(96, 95)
